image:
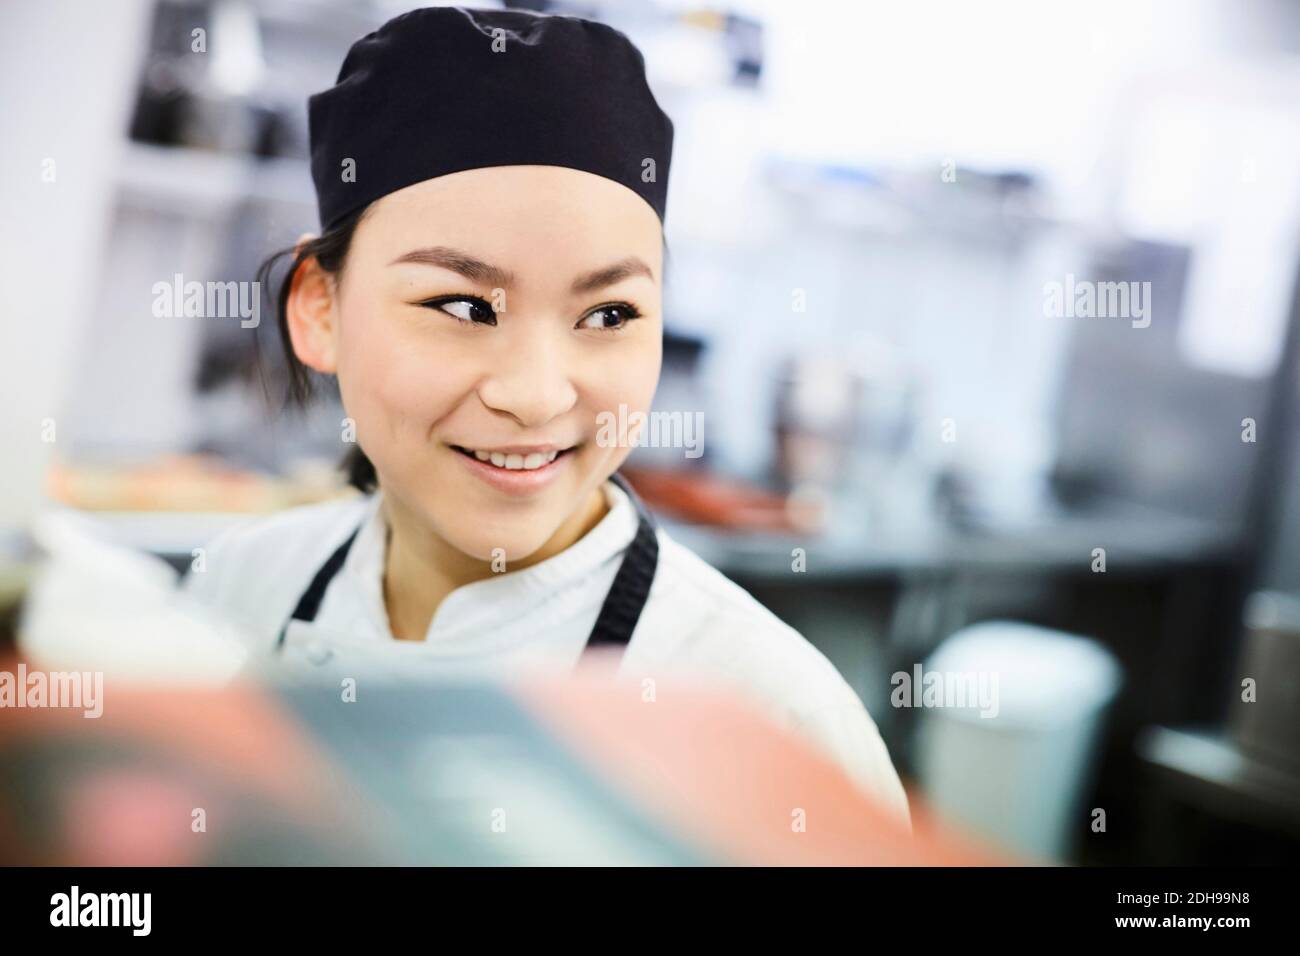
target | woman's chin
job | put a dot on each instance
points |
(503, 554)
(486, 538)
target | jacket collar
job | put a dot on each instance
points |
(488, 605)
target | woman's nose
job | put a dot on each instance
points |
(530, 379)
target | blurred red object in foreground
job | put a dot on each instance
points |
(271, 784)
(716, 773)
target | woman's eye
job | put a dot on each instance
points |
(609, 317)
(465, 308)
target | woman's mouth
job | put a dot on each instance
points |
(514, 460)
(515, 471)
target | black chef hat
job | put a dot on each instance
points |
(428, 94)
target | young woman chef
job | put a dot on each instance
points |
(491, 187)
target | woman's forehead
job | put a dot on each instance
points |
(523, 192)
(520, 218)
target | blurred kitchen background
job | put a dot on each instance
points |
(907, 455)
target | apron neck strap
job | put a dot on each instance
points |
(618, 615)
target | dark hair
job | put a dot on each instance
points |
(330, 250)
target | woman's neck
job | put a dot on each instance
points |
(421, 569)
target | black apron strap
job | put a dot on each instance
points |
(618, 615)
(311, 599)
(631, 588)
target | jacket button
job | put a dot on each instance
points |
(318, 652)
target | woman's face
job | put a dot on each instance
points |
(509, 313)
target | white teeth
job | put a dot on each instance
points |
(516, 462)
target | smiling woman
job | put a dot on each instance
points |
(506, 336)
(487, 294)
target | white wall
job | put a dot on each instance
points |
(67, 68)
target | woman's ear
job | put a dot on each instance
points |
(312, 315)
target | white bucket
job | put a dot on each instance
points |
(1015, 774)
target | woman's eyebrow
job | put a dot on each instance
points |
(599, 278)
(477, 270)
(455, 260)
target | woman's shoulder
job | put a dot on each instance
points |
(703, 624)
(259, 563)
(704, 608)
(303, 528)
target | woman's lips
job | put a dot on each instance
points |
(514, 481)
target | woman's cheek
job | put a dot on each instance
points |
(388, 388)
(627, 386)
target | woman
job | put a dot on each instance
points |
(487, 292)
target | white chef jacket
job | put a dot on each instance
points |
(696, 623)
